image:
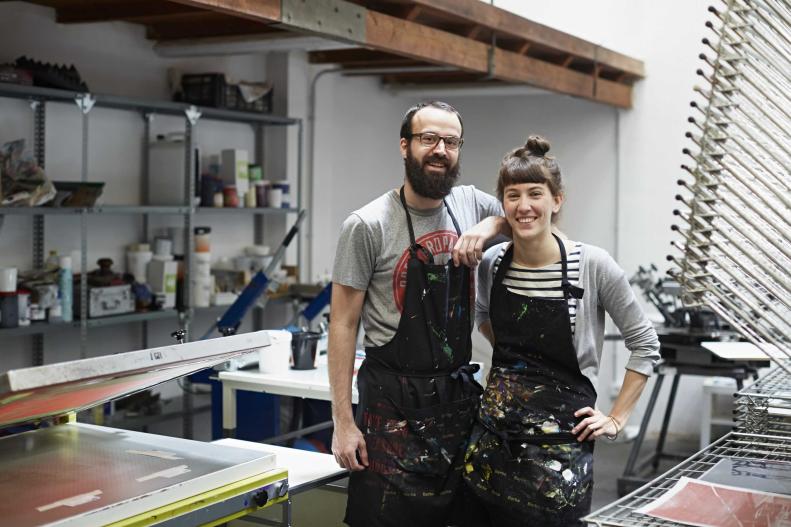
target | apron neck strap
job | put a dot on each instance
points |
(568, 289)
(412, 244)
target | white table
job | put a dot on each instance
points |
(306, 470)
(309, 384)
(744, 351)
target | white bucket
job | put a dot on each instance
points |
(275, 357)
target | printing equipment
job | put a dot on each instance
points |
(59, 472)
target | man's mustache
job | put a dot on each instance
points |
(434, 158)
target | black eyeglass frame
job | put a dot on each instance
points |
(438, 137)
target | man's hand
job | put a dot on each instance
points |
(469, 247)
(347, 441)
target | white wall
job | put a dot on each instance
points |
(356, 154)
(632, 170)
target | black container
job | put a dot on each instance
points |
(211, 89)
(9, 311)
(303, 350)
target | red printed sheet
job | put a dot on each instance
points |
(703, 504)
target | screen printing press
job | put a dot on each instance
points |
(56, 471)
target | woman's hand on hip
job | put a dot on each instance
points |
(594, 425)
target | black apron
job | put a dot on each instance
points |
(523, 461)
(417, 400)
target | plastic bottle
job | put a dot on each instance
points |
(52, 261)
(65, 283)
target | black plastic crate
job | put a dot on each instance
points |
(211, 89)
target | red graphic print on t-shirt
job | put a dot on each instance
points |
(438, 243)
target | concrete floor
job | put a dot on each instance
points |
(324, 507)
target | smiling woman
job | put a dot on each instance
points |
(541, 303)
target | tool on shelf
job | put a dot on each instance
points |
(229, 322)
(313, 309)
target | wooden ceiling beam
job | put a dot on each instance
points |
(434, 78)
(412, 13)
(360, 57)
(388, 33)
(391, 34)
(258, 10)
(474, 32)
(204, 24)
(130, 11)
(519, 68)
(495, 18)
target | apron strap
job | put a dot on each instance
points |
(452, 218)
(414, 247)
(568, 289)
(466, 374)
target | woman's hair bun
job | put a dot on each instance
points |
(537, 145)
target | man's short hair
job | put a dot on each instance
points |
(406, 123)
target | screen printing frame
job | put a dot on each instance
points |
(107, 476)
(41, 392)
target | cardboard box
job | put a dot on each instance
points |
(162, 279)
(234, 171)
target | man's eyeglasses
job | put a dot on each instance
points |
(430, 139)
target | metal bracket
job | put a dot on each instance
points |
(34, 103)
(85, 101)
(193, 114)
(333, 18)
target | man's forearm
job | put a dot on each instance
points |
(340, 357)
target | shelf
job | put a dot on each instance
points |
(146, 106)
(46, 327)
(131, 317)
(137, 209)
(99, 209)
(244, 210)
(36, 328)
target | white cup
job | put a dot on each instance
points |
(8, 280)
(274, 358)
(163, 246)
(276, 198)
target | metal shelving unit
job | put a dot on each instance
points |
(735, 445)
(40, 328)
(765, 406)
(85, 102)
(99, 209)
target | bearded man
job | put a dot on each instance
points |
(403, 265)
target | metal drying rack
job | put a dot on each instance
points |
(737, 445)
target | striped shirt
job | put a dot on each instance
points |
(544, 282)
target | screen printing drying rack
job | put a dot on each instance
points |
(762, 439)
(64, 473)
(734, 446)
(765, 406)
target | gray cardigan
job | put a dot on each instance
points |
(606, 290)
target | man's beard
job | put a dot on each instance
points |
(430, 185)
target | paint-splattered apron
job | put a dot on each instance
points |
(523, 461)
(417, 401)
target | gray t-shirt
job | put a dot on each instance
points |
(606, 290)
(373, 249)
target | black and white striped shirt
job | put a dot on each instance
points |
(544, 282)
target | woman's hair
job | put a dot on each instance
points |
(530, 164)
